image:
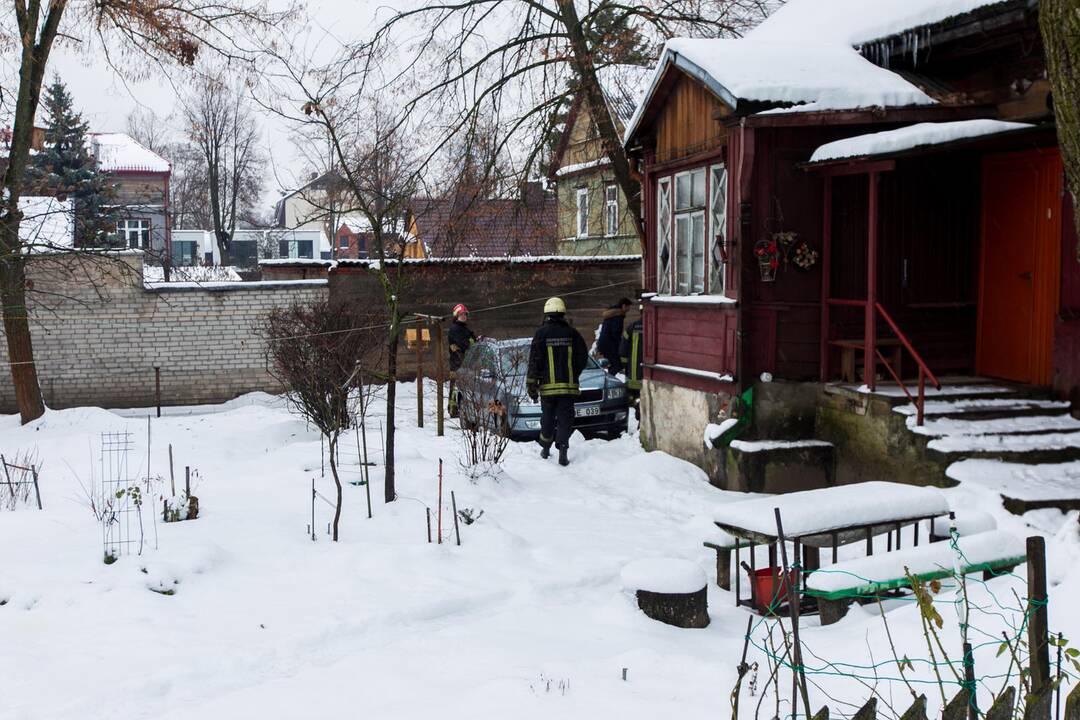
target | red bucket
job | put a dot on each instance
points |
(771, 587)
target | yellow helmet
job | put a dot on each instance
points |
(554, 305)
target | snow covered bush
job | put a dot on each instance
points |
(322, 354)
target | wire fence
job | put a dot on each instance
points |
(993, 620)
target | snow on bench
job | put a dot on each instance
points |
(991, 550)
(968, 522)
(818, 512)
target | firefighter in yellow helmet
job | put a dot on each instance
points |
(556, 359)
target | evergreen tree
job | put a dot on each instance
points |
(65, 168)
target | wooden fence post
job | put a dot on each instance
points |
(419, 373)
(440, 375)
(1038, 630)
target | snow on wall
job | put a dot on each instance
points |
(912, 136)
(47, 224)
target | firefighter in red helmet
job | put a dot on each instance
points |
(460, 338)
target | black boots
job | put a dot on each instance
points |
(545, 451)
(563, 459)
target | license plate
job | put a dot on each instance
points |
(586, 411)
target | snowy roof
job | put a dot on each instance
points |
(851, 22)
(911, 137)
(810, 76)
(47, 224)
(119, 152)
(624, 87)
(812, 512)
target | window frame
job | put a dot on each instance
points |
(718, 226)
(581, 212)
(664, 233)
(611, 210)
(140, 231)
(687, 253)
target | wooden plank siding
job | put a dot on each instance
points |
(689, 123)
(695, 337)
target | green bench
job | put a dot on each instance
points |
(836, 585)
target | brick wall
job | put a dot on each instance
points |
(98, 334)
(505, 297)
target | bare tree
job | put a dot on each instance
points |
(176, 31)
(321, 355)
(221, 126)
(523, 60)
(1059, 21)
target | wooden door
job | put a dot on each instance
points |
(1020, 265)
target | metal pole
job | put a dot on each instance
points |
(157, 389)
(793, 609)
(440, 501)
(37, 492)
(453, 504)
(313, 509)
(428, 524)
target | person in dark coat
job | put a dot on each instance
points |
(611, 330)
(631, 354)
(459, 339)
(557, 357)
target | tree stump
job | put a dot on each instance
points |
(669, 590)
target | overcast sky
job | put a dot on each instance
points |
(105, 99)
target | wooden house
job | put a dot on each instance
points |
(593, 215)
(881, 204)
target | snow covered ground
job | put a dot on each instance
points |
(526, 619)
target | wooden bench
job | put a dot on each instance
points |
(723, 544)
(835, 586)
(848, 348)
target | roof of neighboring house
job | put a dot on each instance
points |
(47, 224)
(489, 227)
(624, 86)
(852, 22)
(119, 152)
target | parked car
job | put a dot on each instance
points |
(491, 388)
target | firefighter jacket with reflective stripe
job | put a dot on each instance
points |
(632, 352)
(556, 358)
(460, 338)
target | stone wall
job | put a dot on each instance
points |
(98, 335)
(673, 419)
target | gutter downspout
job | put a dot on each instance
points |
(744, 240)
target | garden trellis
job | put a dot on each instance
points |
(992, 616)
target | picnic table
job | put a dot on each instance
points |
(816, 519)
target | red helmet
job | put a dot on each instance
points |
(459, 309)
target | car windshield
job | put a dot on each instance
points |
(514, 359)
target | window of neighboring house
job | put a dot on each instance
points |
(135, 233)
(305, 249)
(343, 241)
(663, 235)
(611, 210)
(690, 232)
(283, 249)
(185, 252)
(583, 212)
(717, 227)
(244, 253)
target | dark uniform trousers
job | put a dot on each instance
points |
(556, 420)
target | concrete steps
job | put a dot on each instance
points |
(778, 466)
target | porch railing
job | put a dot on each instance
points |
(872, 353)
